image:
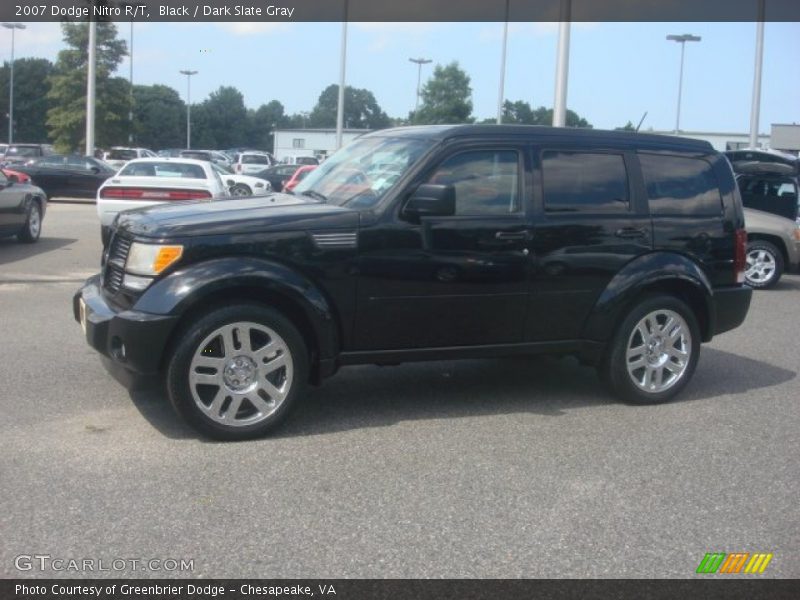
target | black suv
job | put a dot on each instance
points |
(426, 243)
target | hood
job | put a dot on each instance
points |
(253, 214)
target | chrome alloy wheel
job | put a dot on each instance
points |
(658, 351)
(34, 222)
(760, 266)
(241, 373)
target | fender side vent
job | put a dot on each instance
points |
(335, 241)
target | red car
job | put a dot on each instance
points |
(21, 177)
(298, 176)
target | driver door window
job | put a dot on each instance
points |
(486, 182)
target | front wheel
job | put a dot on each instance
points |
(241, 189)
(764, 265)
(654, 352)
(236, 372)
(32, 229)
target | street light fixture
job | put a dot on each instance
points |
(419, 62)
(681, 39)
(13, 27)
(188, 74)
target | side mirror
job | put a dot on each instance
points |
(431, 200)
(95, 170)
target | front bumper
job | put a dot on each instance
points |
(730, 307)
(133, 339)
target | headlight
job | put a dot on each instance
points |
(151, 259)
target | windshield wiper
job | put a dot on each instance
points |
(315, 195)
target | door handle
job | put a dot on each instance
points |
(511, 235)
(631, 232)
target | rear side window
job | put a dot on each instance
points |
(679, 185)
(584, 182)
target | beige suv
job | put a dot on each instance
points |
(773, 245)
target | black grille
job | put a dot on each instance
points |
(115, 264)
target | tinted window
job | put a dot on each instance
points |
(584, 182)
(486, 182)
(678, 185)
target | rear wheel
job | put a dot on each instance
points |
(654, 352)
(32, 229)
(237, 371)
(764, 264)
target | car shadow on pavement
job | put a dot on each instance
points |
(371, 396)
(12, 250)
(721, 373)
(787, 283)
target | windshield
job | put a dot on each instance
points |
(23, 150)
(361, 173)
(120, 154)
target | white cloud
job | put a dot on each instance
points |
(37, 39)
(246, 28)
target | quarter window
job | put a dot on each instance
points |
(679, 185)
(486, 182)
(584, 182)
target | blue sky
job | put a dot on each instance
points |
(617, 70)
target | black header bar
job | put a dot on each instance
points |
(405, 10)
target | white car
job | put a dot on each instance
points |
(252, 162)
(118, 156)
(242, 185)
(148, 181)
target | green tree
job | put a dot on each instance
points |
(361, 110)
(263, 122)
(521, 112)
(66, 119)
(224, 123)
(30, 99)
(159, 117)
(446, 97)
(627, 127)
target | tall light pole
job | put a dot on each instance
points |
(90, 88)
(340, 101)
(188, 74)
(681, 39)
(500, 92)
(130, 98)
(755, 108)
(562, 65)
(13, 27)
(419, 62)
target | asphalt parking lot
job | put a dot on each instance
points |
(490, 468)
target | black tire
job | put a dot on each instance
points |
(627, 382)
(764, 266)
(182, 394)
(32, 229)
(241, 190)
